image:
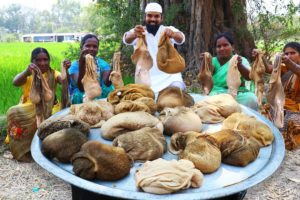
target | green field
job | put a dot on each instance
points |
(14, 58)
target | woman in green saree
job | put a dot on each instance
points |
(224, 49)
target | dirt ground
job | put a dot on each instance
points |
(28, 181)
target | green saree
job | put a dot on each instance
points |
(244, 96)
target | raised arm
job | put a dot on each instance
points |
(268, 66)
(65, 65)
(177, 36)
(294, 67)
(131, 36)
(20, 79)
(243, 70)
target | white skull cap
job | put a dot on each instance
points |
(153, 7)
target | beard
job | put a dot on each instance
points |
(152, 28)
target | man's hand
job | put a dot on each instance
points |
(139, 30)
(169, 33)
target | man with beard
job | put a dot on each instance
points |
(153, 29)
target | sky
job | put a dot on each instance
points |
(37, 4)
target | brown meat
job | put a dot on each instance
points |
(168, 59)
(199, 148)
(179, 119)
(237, 148)
(129, 92)
(149, 102)
(275, 93)
(63, 144)
(171, 97)
(58, 123)
(131, 106)
(233, 77)
(116, 75)
(41, 95)
(256, 74)
(89, 81)
(205, 73)
(215, 109)
(164, 177)
(143, 61)
(65, 98)
(95, 113)
(100, 161)
(260, 131)
(143, 144)
(128, 121)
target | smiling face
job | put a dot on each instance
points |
(153, 18)
(91, 45)
(293, 54)
(224, 48)
(42, 61)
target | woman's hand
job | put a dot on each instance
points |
(287, 61)
(83, 53)
(201, 56)
(255, 53)
(239, 61)
(66, 64)
(31, 67)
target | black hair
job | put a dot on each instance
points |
(226, 35)
(86, 37)
(293, 45)
(35, 52)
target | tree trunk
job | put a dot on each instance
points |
(204, 20)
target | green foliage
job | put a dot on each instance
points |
(272, 28)
(72, 52)
(171, 13)
(14, 58)
(119, 16)
(128, 79)
(107, 49)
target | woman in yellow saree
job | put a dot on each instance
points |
(21, 118)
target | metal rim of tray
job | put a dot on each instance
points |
(276, 157)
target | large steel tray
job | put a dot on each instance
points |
(225, 181)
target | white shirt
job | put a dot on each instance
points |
(159, 80)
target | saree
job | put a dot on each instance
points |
(244, 95)
(21, 119)
(291, 85)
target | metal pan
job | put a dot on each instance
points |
(225, 181)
